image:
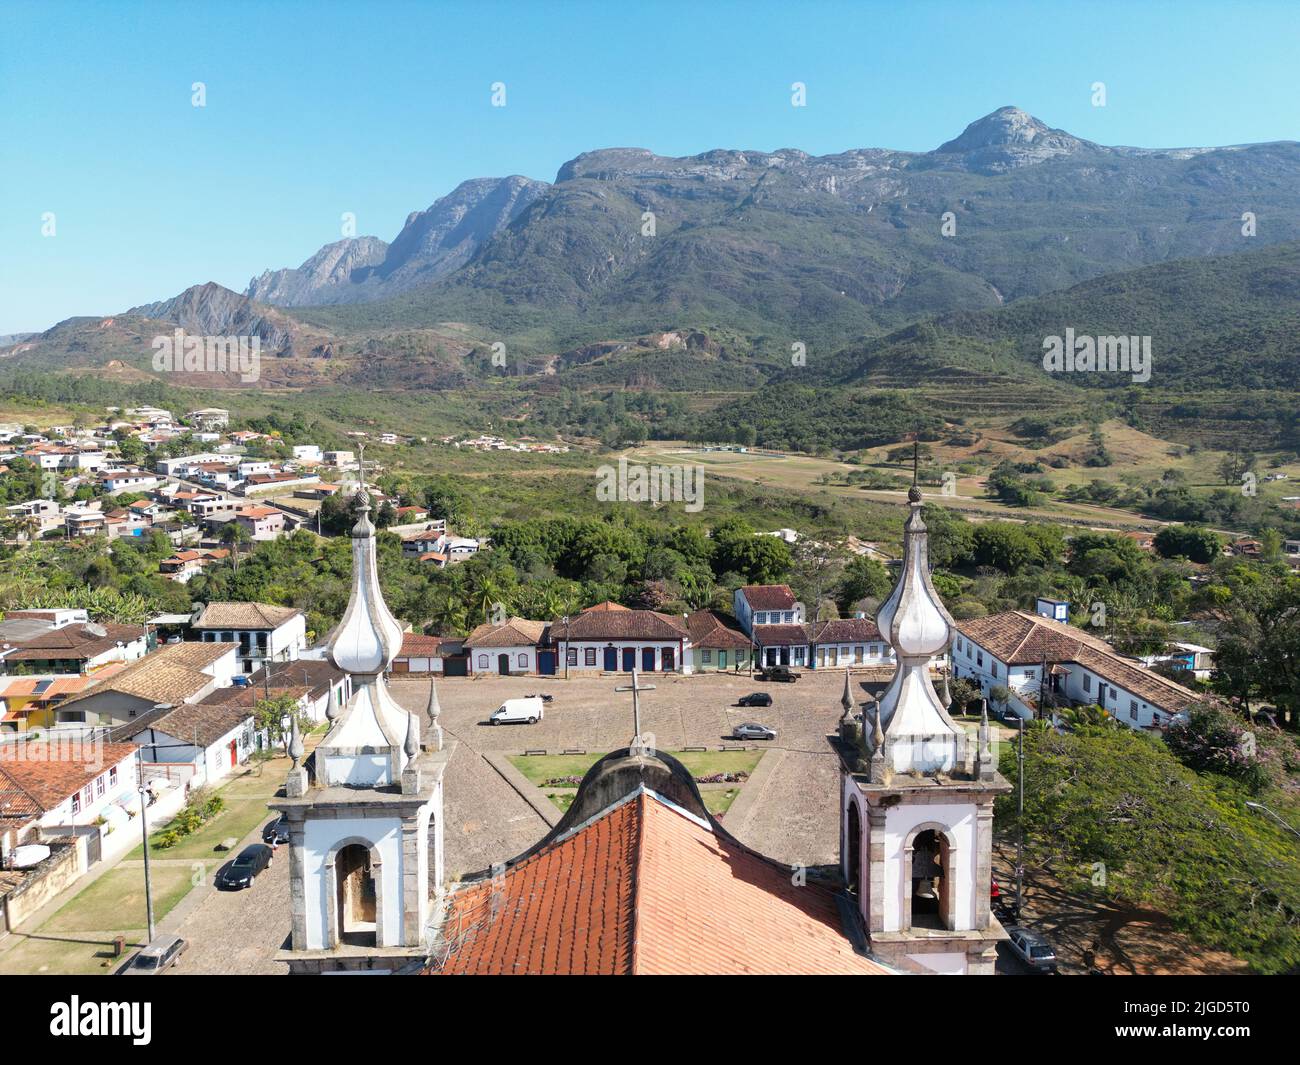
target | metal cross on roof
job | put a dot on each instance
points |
(636, 689)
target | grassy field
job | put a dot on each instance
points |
(245, 796)
(539, 768)
(117, 897)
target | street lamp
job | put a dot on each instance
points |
(144, 832)
(565, 620)
(1259, 807)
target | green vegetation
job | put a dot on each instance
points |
(542, 769)
(1114, 812)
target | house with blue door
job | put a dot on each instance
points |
(612, 638)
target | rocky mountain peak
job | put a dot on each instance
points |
(1009, 138)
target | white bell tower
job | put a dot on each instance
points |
(365, 825)
(917, 797)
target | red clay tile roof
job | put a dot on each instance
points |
(780, 635)
(645, 889)
(1020, 638)
(769, 596)
(415, 645)
(710, 630)
(844, 630)
(74, 641)
(513, 632)
(609, 621)
(48, 774)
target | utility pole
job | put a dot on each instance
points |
(144, 832)
(1020, 814)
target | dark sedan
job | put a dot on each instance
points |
(276, 831)
(241, 873)
(755, 699)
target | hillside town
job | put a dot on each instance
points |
(183, 705)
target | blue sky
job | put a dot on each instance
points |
(380, 108)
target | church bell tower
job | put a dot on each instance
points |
(917, 797)
(365, 821)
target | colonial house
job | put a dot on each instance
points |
(831, 644)
(325, 684)
(766, 604)
(195, 743)
(419, 654)
(175, 673)
(56, 787)
(1014, 648)
(263, 632)
(510, 647)
(611, 638)
(717, 644)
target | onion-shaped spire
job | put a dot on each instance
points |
(921, 735)
(368, 637)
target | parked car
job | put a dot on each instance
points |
(778, 673)
(540, 695)
(241, 873)
(276, 831)
(751, 730)
(513, 711)
(1032, 949)
(755, 699)
(161, 953)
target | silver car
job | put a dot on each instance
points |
(161, 953)
(751, 730)
(1032, 949)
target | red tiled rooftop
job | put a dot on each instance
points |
(645, 889)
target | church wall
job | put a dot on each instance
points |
(321, 836)
(960, 822)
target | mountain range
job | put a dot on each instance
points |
(752, 252)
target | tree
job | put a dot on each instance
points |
(1188, 541)
(1119, 802)
(234, 536)
(863, 578)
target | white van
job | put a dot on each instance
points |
(516, 710)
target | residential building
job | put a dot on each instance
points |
(50, 789)
(1012, 649)
(717, 643)
(262, 631)
(75, 649)
(766, 604)
(611, 638)
(512, 646)
(419, 654)
(184, 565)
(175, 673)
(195, 743)
(209, 418)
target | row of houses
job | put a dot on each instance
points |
(611, 638)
